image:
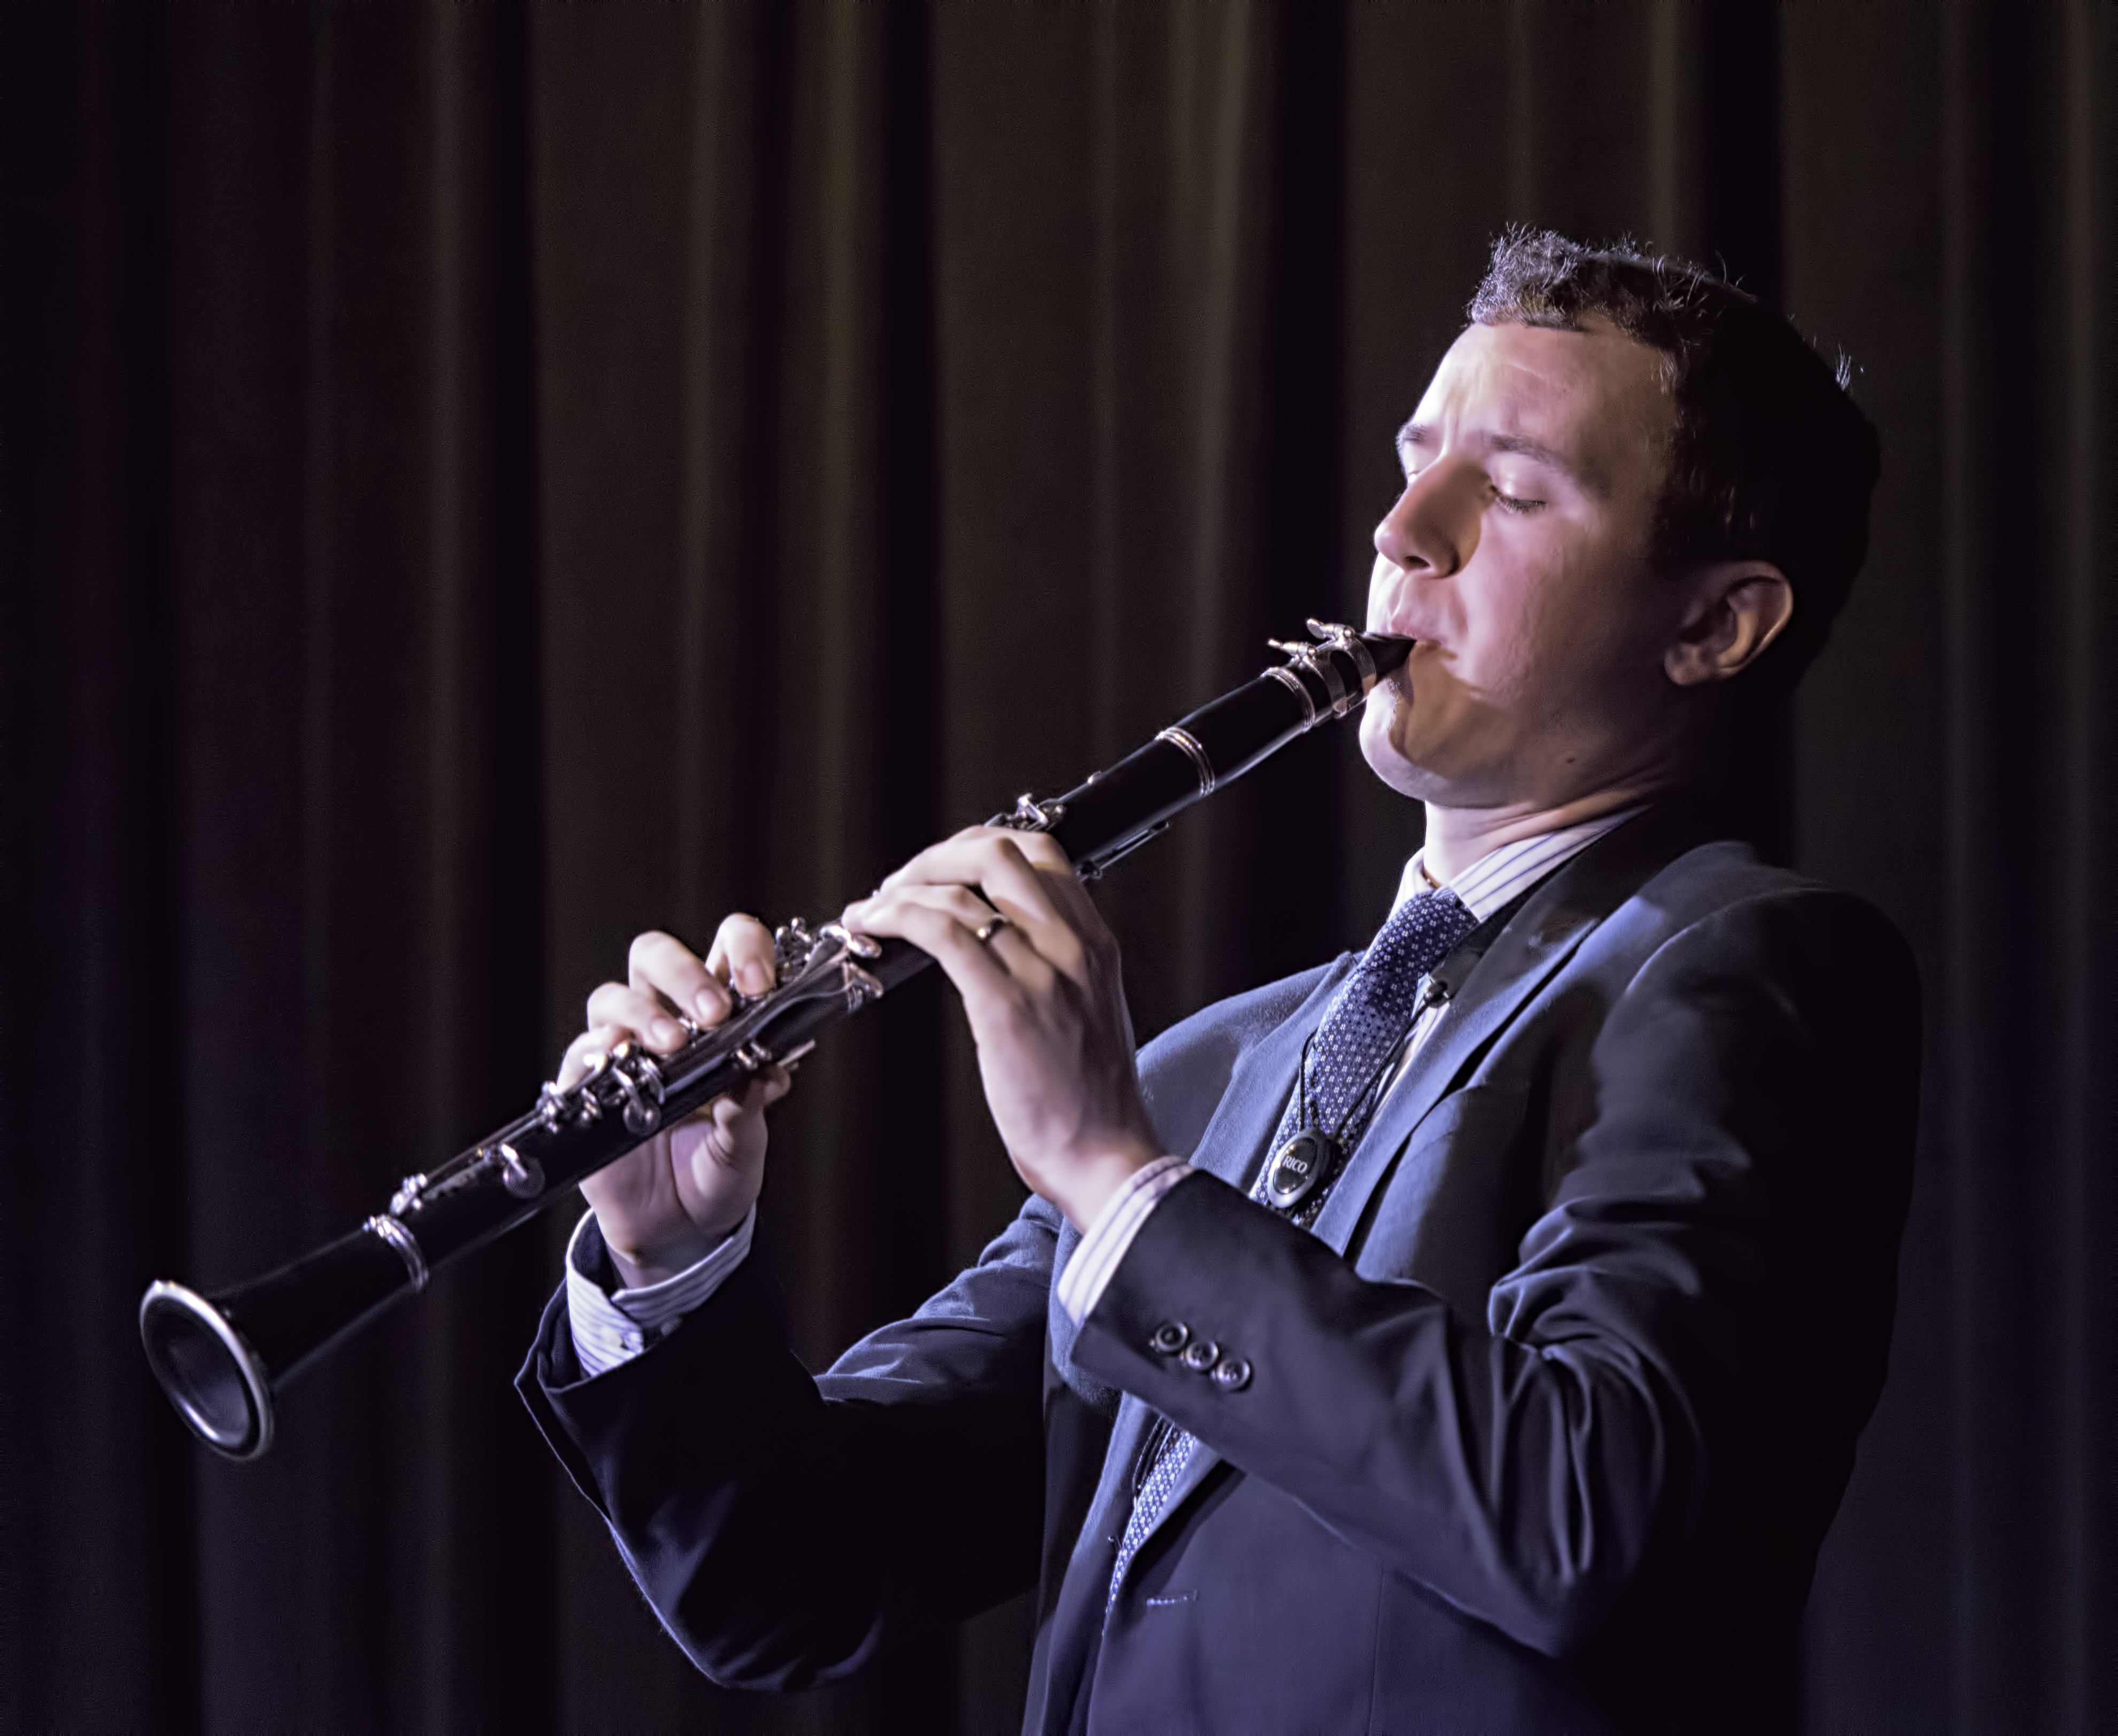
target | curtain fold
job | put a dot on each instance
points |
(478, 482)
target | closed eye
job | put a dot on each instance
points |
(1515, 503)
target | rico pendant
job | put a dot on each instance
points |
(1298, 1168)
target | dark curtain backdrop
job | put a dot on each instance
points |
(480, 481)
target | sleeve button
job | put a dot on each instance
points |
(1201, 1355)
(1170, 1337)
(1233, 1375)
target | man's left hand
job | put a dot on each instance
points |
(1045, 1001)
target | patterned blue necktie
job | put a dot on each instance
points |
(1366, 1024)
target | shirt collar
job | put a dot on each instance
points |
(1492, 882)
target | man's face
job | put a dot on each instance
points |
(1517, 556)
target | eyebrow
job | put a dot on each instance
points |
(1416, 433)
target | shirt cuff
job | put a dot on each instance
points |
(1104, 1243)
(611, 1327)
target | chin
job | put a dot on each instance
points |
(1382, 721)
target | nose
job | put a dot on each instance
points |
(1433, 528)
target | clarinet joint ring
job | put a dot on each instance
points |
(1194, 749)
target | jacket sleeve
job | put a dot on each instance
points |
(1693, 1335)
(785, 1527)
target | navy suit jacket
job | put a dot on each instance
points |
(1547, 1417)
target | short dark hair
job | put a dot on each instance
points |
(1772, 459)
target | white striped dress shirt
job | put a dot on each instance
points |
(610, 1328)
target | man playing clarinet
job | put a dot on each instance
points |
(1471, 1334)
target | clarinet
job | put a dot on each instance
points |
(223, 1359)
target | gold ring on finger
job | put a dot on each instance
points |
(984, 932)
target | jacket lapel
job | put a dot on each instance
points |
(1249, 1111)
(1541, 937)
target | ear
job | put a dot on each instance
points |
(1737, 608)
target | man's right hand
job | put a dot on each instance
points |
(668, 1204)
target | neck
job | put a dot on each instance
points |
(1456, 838)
